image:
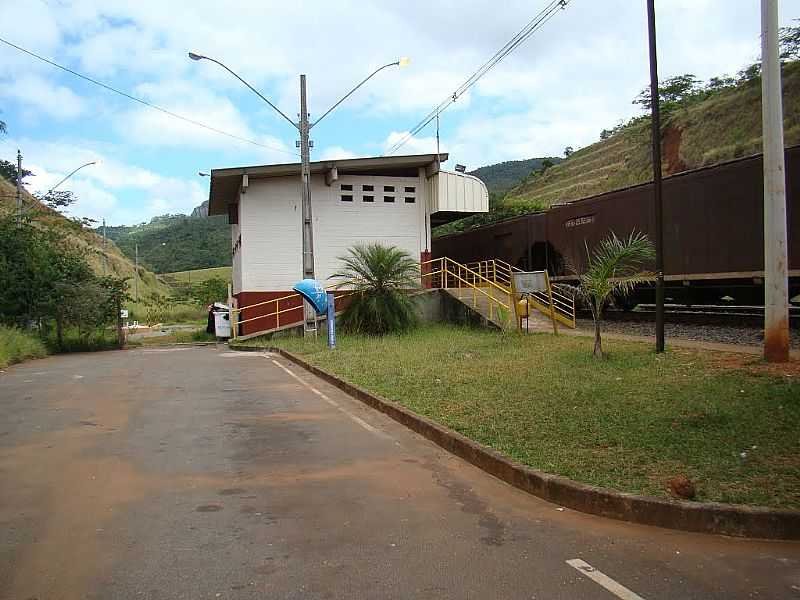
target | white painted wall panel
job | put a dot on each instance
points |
(458, 192)
(236, 275)
(270, 223)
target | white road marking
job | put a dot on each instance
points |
(620, 591)
(333, 403)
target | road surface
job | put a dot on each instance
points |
(198, 473)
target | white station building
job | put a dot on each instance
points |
(393, 200)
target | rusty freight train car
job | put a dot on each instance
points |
(713, 232)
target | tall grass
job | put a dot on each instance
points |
(17, 345)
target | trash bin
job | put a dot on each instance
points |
(222, 324)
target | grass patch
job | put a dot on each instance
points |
(177, 337)
(17, 345)
(629, 422)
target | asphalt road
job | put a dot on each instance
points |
(203, 473)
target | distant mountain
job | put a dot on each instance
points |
(171, 243)
(501, 177)
(201, 211)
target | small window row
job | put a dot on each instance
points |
(348, 187)
(389, 199)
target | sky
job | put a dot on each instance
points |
(571, 79)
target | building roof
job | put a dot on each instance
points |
(225, 183)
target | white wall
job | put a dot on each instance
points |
(236, 275)
(270, 225)
(457, 192)
(269, 220)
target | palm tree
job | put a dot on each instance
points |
(614, 269)
(381, 276)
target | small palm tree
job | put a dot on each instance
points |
(381, 276)
(614, 269)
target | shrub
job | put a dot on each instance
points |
(17, 345)
(381, 277)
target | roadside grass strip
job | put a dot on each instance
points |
(630, 422)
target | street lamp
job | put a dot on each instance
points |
(94, 162)
(303, 126)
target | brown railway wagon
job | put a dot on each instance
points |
(713, 231)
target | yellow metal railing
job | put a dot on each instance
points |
(277, 311)
(562, 306)
(470, 285)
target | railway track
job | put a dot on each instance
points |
(719, 315)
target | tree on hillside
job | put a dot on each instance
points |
(46, 279)
(8, 171)
(381, 277)
(568, 151)
(673, 93)
(614, 268)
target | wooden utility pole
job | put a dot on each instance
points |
(19, 187)
(776, 274)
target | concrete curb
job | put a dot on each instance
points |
(703, 517)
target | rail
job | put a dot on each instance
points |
(446, 273)
(562, 307)
(296, 304)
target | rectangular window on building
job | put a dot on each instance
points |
(347, 187)
(410, 200)
(347, 197)
(388, 198)
(410, 189)
(367, 188)
(368, 198)
(388, 188)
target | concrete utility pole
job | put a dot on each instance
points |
(776, 264)
(19, 187)
(105, 256)
(305, 188)
(659, 207)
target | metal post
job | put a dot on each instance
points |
(776, 290)
(136, 273)
(305, 188)
(659, 209)
(19, 187)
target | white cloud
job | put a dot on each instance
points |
(38, 94)
(413, 145)
(336, 153)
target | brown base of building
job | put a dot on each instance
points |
(703, 517)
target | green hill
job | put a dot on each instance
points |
(717, 126)
(501, 177)
(172, 243)
(105, 258)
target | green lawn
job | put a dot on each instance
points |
(198, 275)
(629, 422)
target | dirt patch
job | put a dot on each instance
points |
(671, 150)
(755, 365)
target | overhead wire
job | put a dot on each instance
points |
(144, 102)
(538, 21)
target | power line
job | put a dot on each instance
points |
(521, 37)
(144, 102)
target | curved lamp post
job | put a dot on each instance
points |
(94, 162)
(303, 126)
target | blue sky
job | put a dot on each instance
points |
(575, 77)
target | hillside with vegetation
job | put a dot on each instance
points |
(105, 258)
(172, 243)
(702, 124)
(501, 177)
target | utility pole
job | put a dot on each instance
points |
(136, 273)
(305, 187)
(105, 256)
(776, 283)
(19, 187)
(659, 207)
